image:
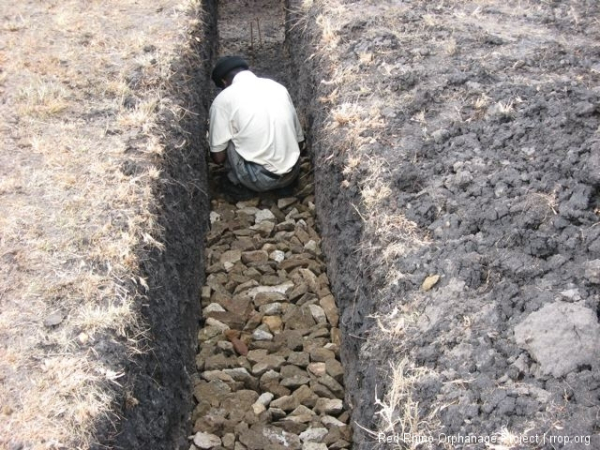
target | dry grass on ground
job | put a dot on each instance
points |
(361, 126)
(81, 83)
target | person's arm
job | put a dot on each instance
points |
(219, 157)
(218, 134)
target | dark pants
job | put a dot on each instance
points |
(254, 176)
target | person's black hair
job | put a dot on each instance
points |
(225, 67)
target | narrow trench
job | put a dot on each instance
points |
(269, 371)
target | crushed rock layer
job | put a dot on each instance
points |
(269, 374)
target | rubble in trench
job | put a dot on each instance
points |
(268, 362)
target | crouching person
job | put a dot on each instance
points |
(254, 129)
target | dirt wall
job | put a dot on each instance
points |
(339, 221)
(158, 380)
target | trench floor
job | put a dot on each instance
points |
(269, 372)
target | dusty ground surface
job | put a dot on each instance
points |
(100, 194)
(457, 159)
(457, 155)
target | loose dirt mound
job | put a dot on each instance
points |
(457, 148)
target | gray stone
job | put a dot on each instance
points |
(253, 202)
(271, 309)
(319, 333)
(306, 396)
(211, 421)
(213, 392)
(331, 422)
(283, 203)
(313, 435)
(211, 322)
(292, 339)
(277, 255)
(206, 440)
(261, 335)
(571, 295)
(254, 440)
(332, 385)
(265, 398)
(318, 313)
(287, 225)
(238, 374)
(314, 446)
(277, 413)
(287, 403)
(294, 381)
(262, 215)
(255, 257)
(331, 310)
(216, 375)
(240, 304)
(329, 406)
(229, 258)
(312, 247)
(560, 337)
(280, 438)
(264, 229)
(267, 363)
(213, 307)
(321, 355)
(205, 293)
(219, 362)
(297, 292)
(264, 298)
(228, 440)
(298, 318)
(335, 369)
(281, 289)
(303, 411)
(310, 279)
(321, 390)
(244, 285)
(318, 369)
(300, 359)
(241, 399)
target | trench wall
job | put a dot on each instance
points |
(159, 379)
(339, 222)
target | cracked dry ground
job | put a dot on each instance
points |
(268, 362)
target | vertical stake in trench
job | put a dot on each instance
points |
(252, 36)
(259, 33)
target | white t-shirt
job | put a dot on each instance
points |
(258, 116)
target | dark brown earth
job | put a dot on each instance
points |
(459, 140)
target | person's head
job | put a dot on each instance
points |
(226, 68)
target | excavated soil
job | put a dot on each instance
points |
(457, 156)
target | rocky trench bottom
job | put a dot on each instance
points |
(269, 373)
